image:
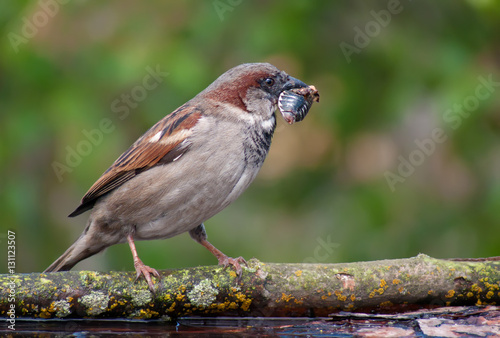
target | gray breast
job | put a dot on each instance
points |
(257, 142)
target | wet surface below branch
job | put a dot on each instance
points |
(439, 322)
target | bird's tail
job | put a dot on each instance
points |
(76, 252)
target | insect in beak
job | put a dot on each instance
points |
(294, 104)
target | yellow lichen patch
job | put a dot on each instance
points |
(243, 299)
(113, 305)
(240, 297)
(298, 273)
(490, 286)
(285, 297)
(490, 294)
(44, 313)
(232, 274)
(52, 307)
(383, 283)
(353, 297)
(386, 304)
(476, 288)
(430, 292)
(470, 294)
(144, 314)
(450, 294)
(220, 306)
(389, 267)
(396, 281)
(245, 305)
(372, 294)
(172, 307)
(340, 296)
(232, 306)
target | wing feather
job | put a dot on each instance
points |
(161, 144)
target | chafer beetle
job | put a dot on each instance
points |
(294, 104)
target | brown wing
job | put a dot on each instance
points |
(159, 145)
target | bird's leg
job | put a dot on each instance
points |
(200, 235)
(140, 267)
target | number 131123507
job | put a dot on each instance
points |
(11, 251)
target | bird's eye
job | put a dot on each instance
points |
(269, 81)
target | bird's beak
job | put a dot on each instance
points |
(294, 83)
(296, 99)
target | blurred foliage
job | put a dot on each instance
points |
(323, 193)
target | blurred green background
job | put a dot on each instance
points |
(388, 72)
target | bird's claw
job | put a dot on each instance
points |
(146, 271)
(225, 261)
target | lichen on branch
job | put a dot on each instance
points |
(265, 289)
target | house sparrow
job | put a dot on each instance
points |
(185, 169)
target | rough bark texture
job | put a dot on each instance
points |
(265, 289)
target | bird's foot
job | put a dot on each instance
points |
(200, 236)
(146, 271)
(225, 261)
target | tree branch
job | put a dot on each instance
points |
(265, 289)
